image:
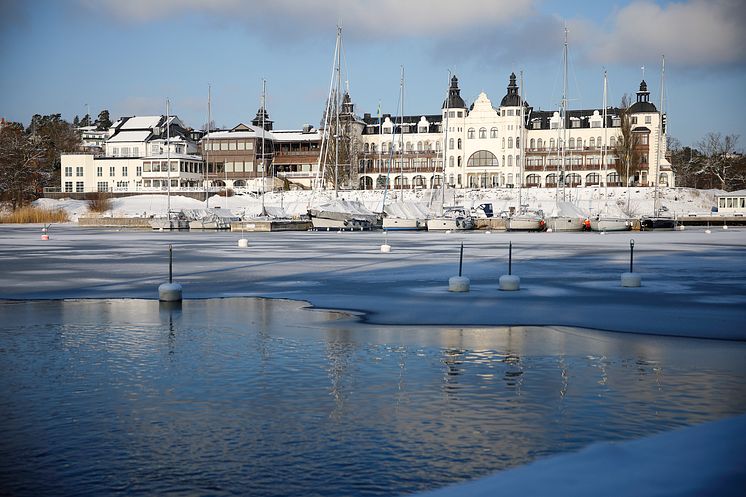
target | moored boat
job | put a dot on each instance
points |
(453, 219)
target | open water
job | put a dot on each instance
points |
(266, 398)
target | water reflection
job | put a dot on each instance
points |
(265, 398)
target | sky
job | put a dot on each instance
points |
(129, 56)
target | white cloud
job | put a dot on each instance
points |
(692, 33)
(383, 18)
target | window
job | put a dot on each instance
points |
(482, 158)
(450, 144)
(540, 144)
(135, 151)
(536, 124)
(458, 160)
(79, 171)
(493, 133)
(591, 142)
(115, 152)
(510, 112)
(223, 145)
(231, 145)
(482, 132)
(572, 143)
(155, 148)
(612, 142)
(99, 171)
(648, 119)
(102, 186)
(112, 170)
(459, 143)
(125, 151)
(68, 171)
(450, 162)
(503, 142)
(510, 142)
(124, 170)
(68, 186)
(470, 134)
(644, 139)
(532, 143)
(138, 171)
(517, 142)
(634, 119)
(510, 161)
(551, 143)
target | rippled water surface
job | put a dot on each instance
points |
(265, 398)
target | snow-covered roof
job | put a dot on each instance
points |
(295, 136)
(739, 193)
(141, 122)
(129, 136)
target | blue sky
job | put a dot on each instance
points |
(128, 56)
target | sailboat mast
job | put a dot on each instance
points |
(656, 178)
(563, 116)
(401, 131)
(522, 149)
(263, 110)
(168, 156)
(604, 165)
(207, 145)
(337, 100)
(445, 145)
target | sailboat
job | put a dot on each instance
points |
(523, 219)
(656, 221)
(399, 216)
(338, 214)
(173, 220)
(453, 218)
(603, 221)
(564, 216)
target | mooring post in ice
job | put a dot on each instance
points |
(459, 283)
(631, 279)
(510, 282)
(243, 242)
(386, 248)
(170, 292)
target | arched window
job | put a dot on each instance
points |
(459, 143)
(458, 160)
(517, 142)
(613, 178)
(518, 161)
(470, 134)
(532, 143)
(510, 142)
(592, 142)
(592, 179)
(373, 147)
(450, 180)
(540, 144)
(482, 158)
(551, 143)
(510, 178)
(612, 142)
(572, 179)
(482, 132)
(510, 161)
(663, 179)
(551, 179)
(450, 144)
(503, 142)
(534, 180)
(450, 161)
(493, 133)
(572, 143)
(366, 148)
(599, 142)
(437, 146)
(419, 146)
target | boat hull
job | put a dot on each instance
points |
(524, 224)
(610, 224)
(328, 224)
(657, 223)
(563, 223)
(403, 224)
(450, 224)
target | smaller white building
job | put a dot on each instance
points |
(732, 203)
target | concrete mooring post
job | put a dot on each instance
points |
(631, 279)
(170, 292)
(510, 282)
(459, 283)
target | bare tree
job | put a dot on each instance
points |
(720, 159)
(23, 170)
(626, 149)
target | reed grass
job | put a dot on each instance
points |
(101, 202)
(30, 214)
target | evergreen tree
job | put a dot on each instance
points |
(103, 122)
(86, 121)
(76, 121)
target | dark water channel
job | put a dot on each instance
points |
(264, 398)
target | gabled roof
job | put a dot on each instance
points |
(130, 136)
(141, 122)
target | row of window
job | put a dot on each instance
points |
(482, 133)
(580, 144)
(228, 145)
(386, 147)
(732, 202)
(69, 171)
(125, 152)
(69, 186)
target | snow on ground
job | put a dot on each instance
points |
(615, 201)
(707, 459)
